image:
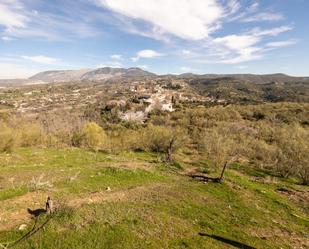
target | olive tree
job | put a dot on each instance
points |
(293, 152)
(165, 139)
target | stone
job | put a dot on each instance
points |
(22, 227)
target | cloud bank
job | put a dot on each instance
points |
(197, 23)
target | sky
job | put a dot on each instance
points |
(161, 36)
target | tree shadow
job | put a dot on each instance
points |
(228, 241)
(204, 178)
(36, 212)
(34, 229)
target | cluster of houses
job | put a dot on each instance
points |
(144, 95)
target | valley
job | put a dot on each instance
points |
(132, 160)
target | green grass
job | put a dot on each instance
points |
(169, 212)
(12, 192)
(98, 179)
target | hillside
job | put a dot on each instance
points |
(241, 89)
(253, 78)
(130, 200)
(99, 74)
(59, 76)
(136, 161)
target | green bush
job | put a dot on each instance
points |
(8, 138)
(91, 136)
(31, 134)
(293, 152)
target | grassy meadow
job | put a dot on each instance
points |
(134, 200)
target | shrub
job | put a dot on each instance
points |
(8, 138)
(91, 136)
(293, 152)
(217, 146)
(31, 134)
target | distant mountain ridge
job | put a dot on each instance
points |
(254, 78)
(59, 75)
(90, 74)
(109, 73)
(112, 73)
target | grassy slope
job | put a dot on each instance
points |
(155, 206)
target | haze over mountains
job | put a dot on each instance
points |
(109, 73)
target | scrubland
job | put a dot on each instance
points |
(123, 184)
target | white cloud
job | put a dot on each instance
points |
(235, 49)
(7, 38)
(234, 6)
(279, 44)
(12, 15)
(252, 13)
(116, 56)
(185, 52)
(242, 67)
(20, 20)
(244, 55)
(191, 23)
(271, 32)
(264, 16)
(237, 42)
(187, 19)
(147, 53)
(145, 67)
(41, 59)
(114, 64)
(183, 23)
(253, 7)
(186, 69)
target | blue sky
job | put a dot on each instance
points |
(162, 36)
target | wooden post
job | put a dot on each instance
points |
(222, 172)
(170, 151)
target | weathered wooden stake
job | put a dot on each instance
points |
(222, 172)
(49, 205)
(170, 151)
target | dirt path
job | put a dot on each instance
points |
(14, 212)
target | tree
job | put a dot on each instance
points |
(165, 139)
(176, 138)
(293, 152)
(220, 148)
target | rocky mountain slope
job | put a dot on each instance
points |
(98, 74)
(114, 73)
(60, 75)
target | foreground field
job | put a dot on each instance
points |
(132, 200)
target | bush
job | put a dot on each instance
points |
(31, 134)
(218, 146)
(91, 136)
(8, 138)
(293, 152)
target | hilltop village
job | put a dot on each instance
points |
(135, 98)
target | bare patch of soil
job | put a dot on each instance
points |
(300, 197)
(15, 211)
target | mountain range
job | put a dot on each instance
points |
(109, 73)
